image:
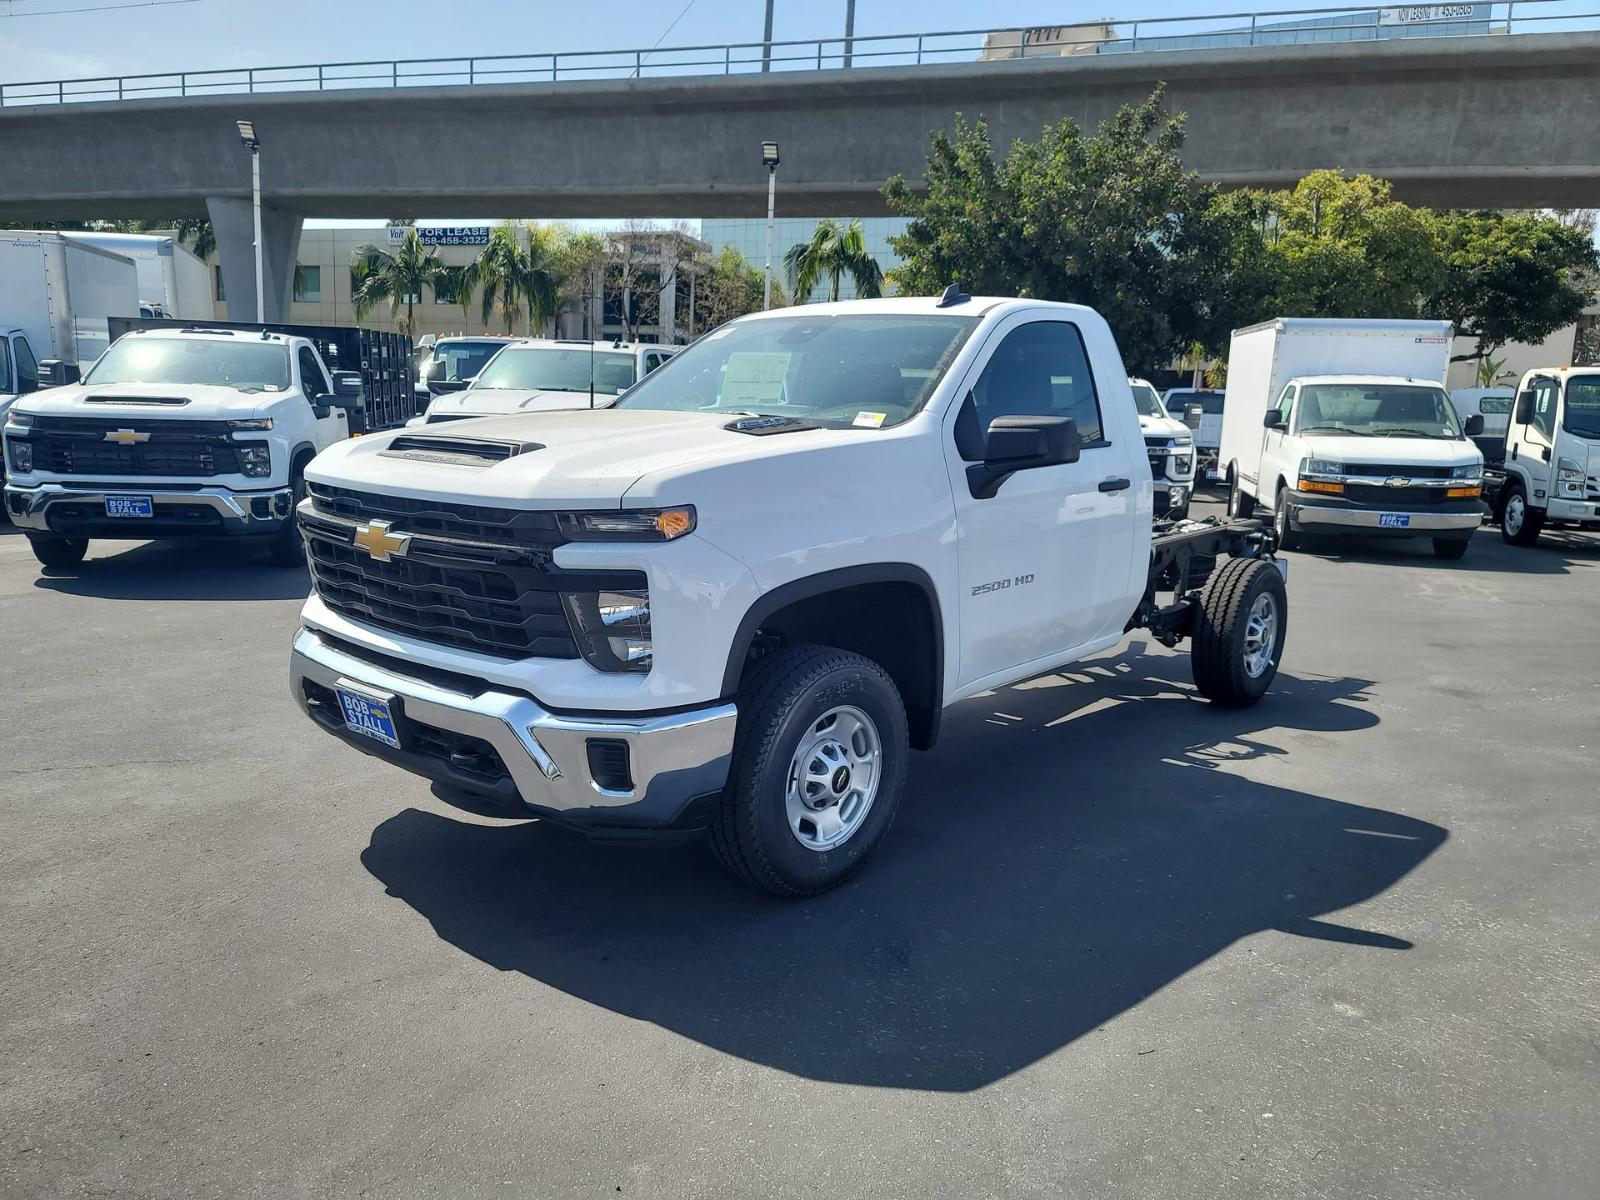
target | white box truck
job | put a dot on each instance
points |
(172, 281)
(1344, 426)
(55, 297)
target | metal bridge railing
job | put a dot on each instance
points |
(1123, 36)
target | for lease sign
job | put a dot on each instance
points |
(1416, 14)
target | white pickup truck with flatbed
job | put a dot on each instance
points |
(176, 433)
(734, 600)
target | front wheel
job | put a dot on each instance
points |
(819, 762)
(288, 548)
(1520, 522)
(1239, 633)
(1450, 549)
(1288, 539)
(58, 551)
(1240, 505)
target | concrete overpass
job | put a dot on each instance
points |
(1499, 121)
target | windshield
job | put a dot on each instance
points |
(1377, 410)
(1146, 400)
(1179, 400)
(859, 370)
(556, 369)
(453, 361)
(1583, 407)
(247, 365)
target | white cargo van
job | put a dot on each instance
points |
(1344, 426)
(173, 282)
(1552, 462)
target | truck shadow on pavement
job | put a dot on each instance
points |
(1555, 553)
(179, 571)
(1073, 846)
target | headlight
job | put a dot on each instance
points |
(1470, 471)
(1182, 464)
(1321, 466)
(1183, 441)
(21, 456)
(628, 525)
(612, 629)
(19, 420)
(252, 423)
(1569, 479)
(255, 459)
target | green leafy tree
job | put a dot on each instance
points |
(519, 277)
(1110, 219)
(833, 252)
(1511, 277)
(727, 285)
(396, 279)
(460, 283)
(540, 283)
(580, 261)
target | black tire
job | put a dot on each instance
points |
(1520, 522)
(1239, 504)
(1288, 539)
(1221, 648)
(58, 551)
(781, 700)
(1451, 549)
(288, 548)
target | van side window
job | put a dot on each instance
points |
(1286, 405)
(1544, 408)
(27, 366)
(311, 377)
(1040, 370)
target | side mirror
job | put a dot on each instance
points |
(1273, 420)
(1192, 416)
(436, 371)
(438, 387)
(1015, 444)
(1474, 425)
(57, 372)
(1524, 408)
(347, 389)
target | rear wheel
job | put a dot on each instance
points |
(1520, 523)
(819, 762)
(1450, 548)
(1288, 539)
(58, 551)
(287, 548)
(1239, 504)
(1240, 629)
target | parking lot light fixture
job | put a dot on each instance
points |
(247, 135)
(769, 159)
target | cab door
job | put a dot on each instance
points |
(330, 422)
(1532, 447)
(1280, 454)
(1044, 563)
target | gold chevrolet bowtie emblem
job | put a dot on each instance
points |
(125, 437)
(377, 541)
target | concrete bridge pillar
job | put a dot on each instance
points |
(234, 223)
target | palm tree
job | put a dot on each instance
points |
(461, 283)
(397, 278)
(501, 269)
(833, 252)
(541, 275)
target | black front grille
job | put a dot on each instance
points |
(1397, 497)
(462, 580)
(78, 446)
(1390, 470)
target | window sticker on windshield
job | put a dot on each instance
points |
(754, 378)
(870, 420)
(718, 334)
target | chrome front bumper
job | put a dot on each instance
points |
(1312, 517)
(29, 507)
(673, 760)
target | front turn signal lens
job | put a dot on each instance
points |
(675, 522)
(1317, 485)
(1463, 493)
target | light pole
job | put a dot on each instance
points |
(766, 40)
(247, 135)
(769, 159)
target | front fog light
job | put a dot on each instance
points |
(21, 457)
(612, 628)
(255, 460)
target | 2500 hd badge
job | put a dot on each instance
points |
(1000, 585)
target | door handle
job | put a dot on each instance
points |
(1115, 485)
(1545, 454)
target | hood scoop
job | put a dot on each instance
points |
(169, 400)
(456, 451)
(762, 426)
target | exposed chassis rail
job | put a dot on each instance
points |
(1183, 555)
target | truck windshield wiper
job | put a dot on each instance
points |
(1408, 433)
(1337, 429)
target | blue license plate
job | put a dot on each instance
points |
(129, 506)
(1394, 520)
(369, 716)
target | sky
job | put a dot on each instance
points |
(40, 42)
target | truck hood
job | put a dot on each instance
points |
(1161, 427)
(490, 402)
(1421, 452)
(584, 458)
(122, 401)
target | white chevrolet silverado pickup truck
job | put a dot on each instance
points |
(175, 433)
(734, 600)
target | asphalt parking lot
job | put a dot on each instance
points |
(1119, 944)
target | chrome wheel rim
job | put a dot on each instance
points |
(833, 778)
(1514, 514)
(1260, 635)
